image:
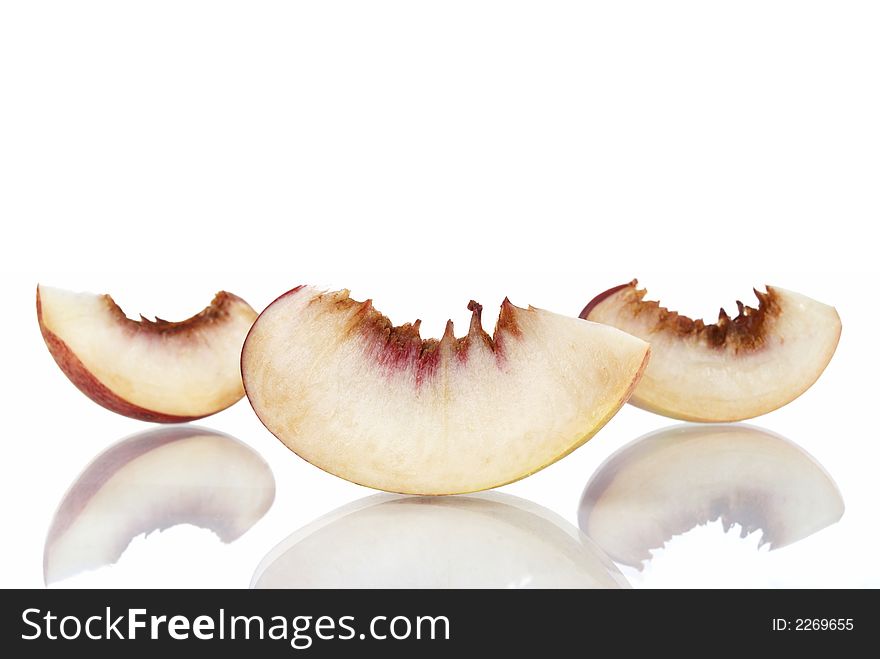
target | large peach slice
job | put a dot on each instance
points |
(736, 369)
(152, 481)
(478, 541)
(168, 372)
(672, 480)
(380, 406)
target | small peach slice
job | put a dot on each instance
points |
(378, 405)
(735, 369)
(152, 370)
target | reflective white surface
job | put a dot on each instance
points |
(473, 541)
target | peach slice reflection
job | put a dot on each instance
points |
(475, 541)
(152, 481)
(672, 480)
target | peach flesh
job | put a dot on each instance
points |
(376, 404)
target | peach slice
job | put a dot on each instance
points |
(672, 480)
(167, 372)
(152, 481)
(477, 541)
(379, 406)
(736, 369)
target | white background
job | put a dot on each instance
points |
(424, 154)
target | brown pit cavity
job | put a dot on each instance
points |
(745, 332)
(401, 346)
(218, 310)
